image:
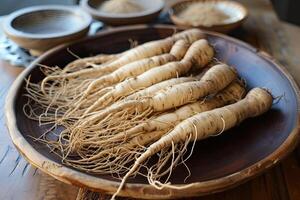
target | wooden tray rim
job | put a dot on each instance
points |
(143, 191)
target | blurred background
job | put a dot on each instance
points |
(287, 10)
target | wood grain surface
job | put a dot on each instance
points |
(18, 180)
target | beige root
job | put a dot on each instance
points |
(146, 50)
(214, 80)
(201, 126)
(127, 114)
(54, 112)
(199, 54)
(152, 90)
(60, 91)
(164, 122)
(131, 70)
(122, 147)
(138, 67)
(82, 63)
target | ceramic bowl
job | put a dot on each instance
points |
(237, 14)
(40, 28)
(151, 11)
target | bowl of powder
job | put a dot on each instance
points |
(123, 12)
(214, 15)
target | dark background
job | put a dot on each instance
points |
(288, 10)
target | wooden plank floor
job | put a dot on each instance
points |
(19, 180)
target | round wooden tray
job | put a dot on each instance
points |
(217, 163)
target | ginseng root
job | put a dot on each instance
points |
(164, 122)
(130, 113)
(122, 147)
(145, 50)
(83, 63)
(134, 69)
(199, 54)
(201, 126)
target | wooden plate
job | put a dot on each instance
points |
(218, 163)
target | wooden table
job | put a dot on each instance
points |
(19, 180)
